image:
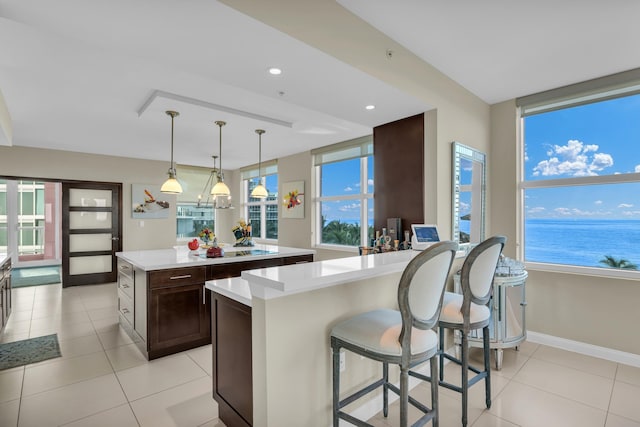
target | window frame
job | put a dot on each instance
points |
(598, 90)
(263, 203)
(364, 196)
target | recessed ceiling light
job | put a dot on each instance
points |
(275, 71)
(370, 107)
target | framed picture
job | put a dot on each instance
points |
(147, 202)
(293, 199)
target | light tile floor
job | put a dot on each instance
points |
(103, 380)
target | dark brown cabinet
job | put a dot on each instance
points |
(232, 375)
(231, 337)
(167, 311)
(179, 318)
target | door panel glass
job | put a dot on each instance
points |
(89, 220)
(89, 264)
(90, 242)
(89, 198)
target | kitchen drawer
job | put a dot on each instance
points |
(125, 306)
(125, 268)
(125, 284)
(176, 277)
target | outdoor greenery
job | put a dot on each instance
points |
(342, 233)
(621, 263)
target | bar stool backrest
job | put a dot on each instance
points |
(478, 271)
(421, 288)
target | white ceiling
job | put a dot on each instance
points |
(503, 49)
(75, 74)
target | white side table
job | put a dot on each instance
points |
(507, 327)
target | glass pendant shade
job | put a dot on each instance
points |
(220, 189)
(171, 185)
(260, 191)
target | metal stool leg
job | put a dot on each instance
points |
(440, 355)
(385, 389)
(404, 396)
(465, 376)
(434, 390)
(487, 365)
(336, 385)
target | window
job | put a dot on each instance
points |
(344, 185)
(194, 207)
(581, 181)
(192, 219)
(262, 214)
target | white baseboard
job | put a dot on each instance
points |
(618, 356)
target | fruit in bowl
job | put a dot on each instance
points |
(193, 245)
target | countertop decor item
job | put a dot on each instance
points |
(242, 233)
(206, 235)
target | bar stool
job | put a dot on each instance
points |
(468, 312)
(403, 337)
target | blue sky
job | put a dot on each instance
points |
(340, 179)
(594, 139)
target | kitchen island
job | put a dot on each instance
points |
(274, 368)
(162, 303)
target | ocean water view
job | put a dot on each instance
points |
(582, 242)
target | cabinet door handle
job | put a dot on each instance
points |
(125, 311)
(124, 285)
(204, 299)
(184, 276)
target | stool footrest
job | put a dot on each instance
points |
(358, 394)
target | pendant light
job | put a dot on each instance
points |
(171, 185)
(260, 191)
(220, 189)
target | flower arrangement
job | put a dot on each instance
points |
(206, 234)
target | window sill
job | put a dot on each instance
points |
(339, 248)
(611, 273)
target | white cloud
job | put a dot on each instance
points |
(625, 205)
(537, 209)
(637, 168)
(370, 181)
(598, 202)
(348, 189)
(349, 208)
(573, 159)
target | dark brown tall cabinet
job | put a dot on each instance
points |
(399, 171)
(5, 292)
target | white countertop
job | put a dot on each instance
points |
(181, 256)
(275, 282)
(235, 288)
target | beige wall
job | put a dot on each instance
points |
(6, 127)
(594, 310)
(58, 165)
